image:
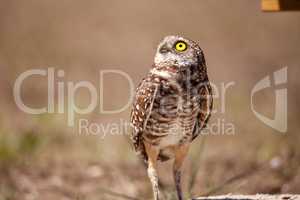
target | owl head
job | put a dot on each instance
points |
(178, 51)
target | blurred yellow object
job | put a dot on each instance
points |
(270, 5)
(280, 5)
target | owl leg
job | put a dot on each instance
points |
(152, 153)
(180, 154)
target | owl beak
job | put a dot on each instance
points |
(164, 49)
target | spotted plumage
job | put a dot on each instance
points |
(172, 104)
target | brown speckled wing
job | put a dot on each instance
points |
(206, 106)
(142, 105)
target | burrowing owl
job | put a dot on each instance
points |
(172, 104)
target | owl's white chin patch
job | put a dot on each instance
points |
(172, 60)
(162, 73)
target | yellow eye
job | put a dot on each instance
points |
(180, 46)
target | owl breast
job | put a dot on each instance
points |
(173, 116)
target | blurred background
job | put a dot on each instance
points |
(41, 157)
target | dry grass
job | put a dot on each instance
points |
(69, 166)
